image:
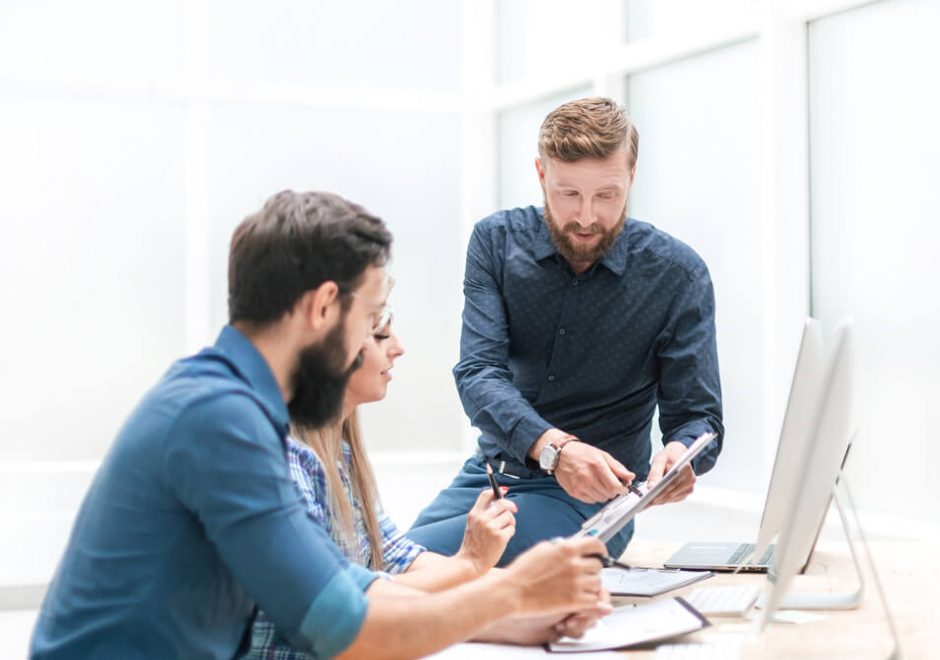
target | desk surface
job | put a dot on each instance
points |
(908, 572)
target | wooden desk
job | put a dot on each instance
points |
(908, 572)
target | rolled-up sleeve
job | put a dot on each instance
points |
(484, 381)
(227, 465)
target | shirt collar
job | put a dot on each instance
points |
(614, 260)
(251, 366)
(543, 246)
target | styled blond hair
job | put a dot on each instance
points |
(594, 127)
(327, 443)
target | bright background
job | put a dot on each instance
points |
(793, 144)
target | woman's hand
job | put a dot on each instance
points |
(490, 525)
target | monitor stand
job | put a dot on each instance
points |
(845, 600)
(829, 600)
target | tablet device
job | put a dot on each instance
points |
(619, 511)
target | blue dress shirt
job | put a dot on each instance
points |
(192, 521)
(591, 354)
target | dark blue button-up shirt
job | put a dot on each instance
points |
(591, 354)
(193, 519)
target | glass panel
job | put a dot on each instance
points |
(518, 135)
(875, 155)
(554, 38)
(654, 18)
(698, 178)
(93, 293)
(91, 40)
(408, 43)
(403, 167)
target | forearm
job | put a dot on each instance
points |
(496, 407)
(403, 622)
(432, 572)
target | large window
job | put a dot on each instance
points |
(875, 146)
(133, 138)
(698, 178)
(793, 146)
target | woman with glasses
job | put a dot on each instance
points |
(334, 476)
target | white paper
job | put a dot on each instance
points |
(695, 651)
(796, 616)
(474, 651)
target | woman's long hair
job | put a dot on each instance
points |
(327, 443)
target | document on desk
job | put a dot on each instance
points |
(486, 651)
(636, 624)
(648, 582)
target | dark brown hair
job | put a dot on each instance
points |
(295, 243)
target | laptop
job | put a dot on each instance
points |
(795, 435)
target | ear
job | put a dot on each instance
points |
(318, 304)
(541, 171)
(632, 176)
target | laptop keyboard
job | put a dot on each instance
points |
(744, 551)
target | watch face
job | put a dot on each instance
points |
(547, 457)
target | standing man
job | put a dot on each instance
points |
(577, 323)
(193, 520)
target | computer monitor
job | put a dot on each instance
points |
(793, 443)
(795, 434)
(808, 497)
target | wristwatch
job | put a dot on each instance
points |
(551, 453)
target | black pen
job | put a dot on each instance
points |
(633, 489)
(497, 493)
(609, 562)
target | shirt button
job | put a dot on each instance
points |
(574, 282)
(561, 331)
(551, 377)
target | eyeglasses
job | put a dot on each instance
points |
(381, 318)
(383, 314)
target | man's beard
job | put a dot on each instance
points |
(573, 253)
(319, 382)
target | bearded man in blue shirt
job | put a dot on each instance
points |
(578, 322)
(193, 521)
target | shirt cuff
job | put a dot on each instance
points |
(687, 435)
(362, 576)
(337, 613)
(524, 435)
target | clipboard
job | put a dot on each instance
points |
(636, 624)
(619, 511)
(648, 582)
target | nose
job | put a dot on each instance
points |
(586, 213)
(395, 349)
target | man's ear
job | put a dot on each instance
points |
(632, 176)
(541, 171)
(317, 304)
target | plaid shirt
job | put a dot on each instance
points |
(398, 552)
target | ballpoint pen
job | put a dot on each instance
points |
(497, 493)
